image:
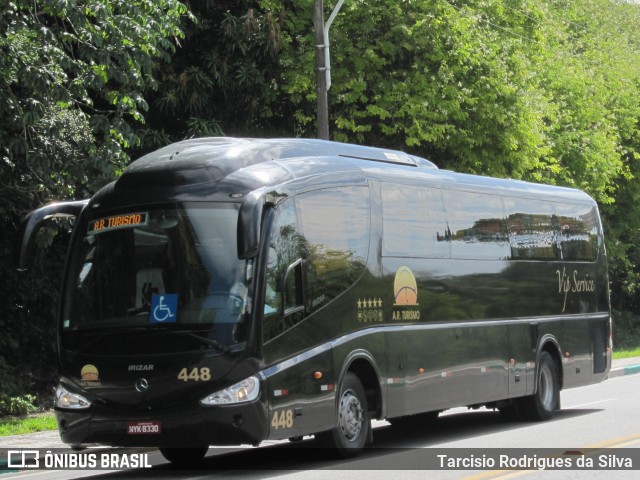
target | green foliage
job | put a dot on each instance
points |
(496, 87)
(72, 80)
(32, 423)
(626, 330)
(630, 353)
(622, 229)
(27, 347)
(17, 406)
(225, 76)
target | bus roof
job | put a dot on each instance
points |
(237, 166)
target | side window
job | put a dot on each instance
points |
(414, 223)
(477, 225)
(578, 232)
(284, 252)
(533, 229)
(335, 224)
(312, 262)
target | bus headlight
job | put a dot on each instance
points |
(244, 391)
(67, 399)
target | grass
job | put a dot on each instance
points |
(627, 353)
(30, 424)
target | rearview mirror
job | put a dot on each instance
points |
(32, 223)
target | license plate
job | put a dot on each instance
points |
(144, 428)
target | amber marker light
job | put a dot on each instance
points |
(317, 375)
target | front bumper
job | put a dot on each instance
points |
(189, 426)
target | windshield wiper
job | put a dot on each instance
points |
(209, 341)
(165, 331)
(109, 333)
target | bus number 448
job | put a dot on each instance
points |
(282, 419)
(196, 374)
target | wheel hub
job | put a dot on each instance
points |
(350, 415)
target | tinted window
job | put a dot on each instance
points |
(284, 250)
(413, 222)
(477, 225)
(328, 230)
(533, 229)
(168, 272)
(578, 232)
(335, 225)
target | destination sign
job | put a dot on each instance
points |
(126, 220)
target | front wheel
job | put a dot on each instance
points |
(354, 424)
(546, 399)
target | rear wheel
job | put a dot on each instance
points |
(354, 424)
(546, 399)
(184, 457)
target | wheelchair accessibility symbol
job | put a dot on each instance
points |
(164, 308)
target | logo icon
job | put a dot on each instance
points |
(164, 308)
(142, 385)
(405, 288)
(89, 373)
(23, 459)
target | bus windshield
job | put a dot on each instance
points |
(157, 280)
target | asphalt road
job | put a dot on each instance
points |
(599, 422)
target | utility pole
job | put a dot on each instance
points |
(321, 79)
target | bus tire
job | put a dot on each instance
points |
(184, 457)
(546, 399)
(354, 424)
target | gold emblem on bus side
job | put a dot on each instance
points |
(405, 288)
(405, 293)
(370, 310)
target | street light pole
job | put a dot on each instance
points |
(321, 79)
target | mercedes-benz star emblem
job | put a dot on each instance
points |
(142, 385)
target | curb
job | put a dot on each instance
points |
(628, 370)
(4, 467)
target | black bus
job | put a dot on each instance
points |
(228, 291)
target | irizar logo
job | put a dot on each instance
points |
(141, 368)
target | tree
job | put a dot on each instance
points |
(73, 74)
(223, 80)
(432, 77)
(72, 77)
(496, 87)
